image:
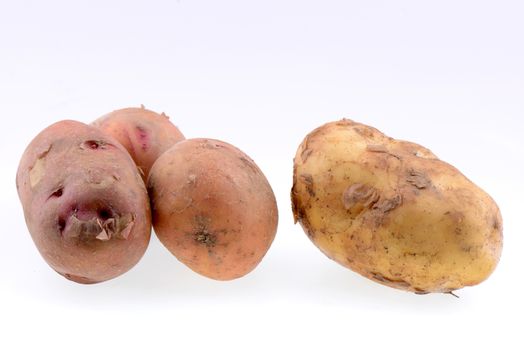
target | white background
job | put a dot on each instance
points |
(261, 75)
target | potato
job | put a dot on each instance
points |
(212, 208)
(392, 211)
(84, 202)
(144, 133)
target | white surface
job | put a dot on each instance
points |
(261, 75)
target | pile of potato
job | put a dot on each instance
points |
(84, 190)
(389, 210)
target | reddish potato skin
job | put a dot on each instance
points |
(84, 202)
(144, 134)
(212, 208)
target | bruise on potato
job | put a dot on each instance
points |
(212, 208)
(144, 134)
(392, 211)
(84, 202)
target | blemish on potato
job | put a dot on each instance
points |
(359, 197)
(395, 282)
(345, 122)
(95, 144)
(308, 181)
(205, 237)
(305, 154)
(210, 145)
(306, 148)
(36, 172)
(142, 135)
(456, 216)
(389, 204)
(191, 179)
(57, 193)
(418, 179)
(364, 132)
(377, 148)
(496, 224)
(420, 291)
(249, 163)
(61, 225)
(103, 236)
(202, 234)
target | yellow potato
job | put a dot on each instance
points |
(392, 211)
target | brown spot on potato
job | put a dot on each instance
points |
(294, 208)
(399, 283)
(78, 279)
(61, 225)
(418, 179)
(205, 237)
(383, 207)
(381, 149)
(307, 150)
(363, 131)
(496, 224)
(388, 204)
(419, 291)
(202, 234)
(456, 216)
(308, 181)
(377, 148)
(209, 144)
(305, 154)
(359, 197)
(299, 214)
(57, 193)
(249, 164)
(94, 144)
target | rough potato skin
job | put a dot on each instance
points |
(84, 202)
(212, 208)
(392, 211)
(144, 134)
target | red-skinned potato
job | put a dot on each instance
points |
(144, 133)
(212, 208)
(84, 202)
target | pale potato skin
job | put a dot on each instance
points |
(392, 211)
(84, 202)
(212, 208)
(144, 134)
